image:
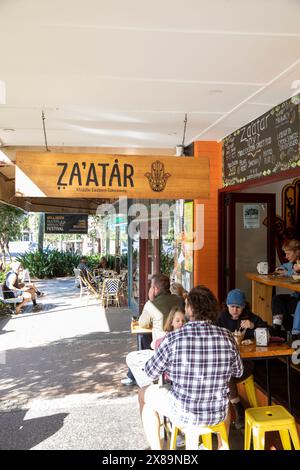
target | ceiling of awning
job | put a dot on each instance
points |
(124, 73)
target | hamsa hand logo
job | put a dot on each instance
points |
(157, 178)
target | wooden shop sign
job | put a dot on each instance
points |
(111, 176)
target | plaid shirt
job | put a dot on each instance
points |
(200, 359)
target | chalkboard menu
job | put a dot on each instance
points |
(66, 223)
(265, 146)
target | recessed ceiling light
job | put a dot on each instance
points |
(215, 92)
(7, 129)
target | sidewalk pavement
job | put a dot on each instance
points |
(60, 372)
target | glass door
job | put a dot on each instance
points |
(246, 237)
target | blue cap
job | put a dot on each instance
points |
(236, 297)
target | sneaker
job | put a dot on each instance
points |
(202, 447)
(180, 441)
(41, 294)
(128, 381)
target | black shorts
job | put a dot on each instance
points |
(9, 294)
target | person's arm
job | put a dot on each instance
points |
(155, 344)
(237, 367)
(11, 280)
(286, 269)
(259, 322)
(145, 320)
(157, 364)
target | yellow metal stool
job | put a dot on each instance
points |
(260, 420)
(193, 433)
(250, 391)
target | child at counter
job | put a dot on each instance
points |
(284, 305)
(136, 360)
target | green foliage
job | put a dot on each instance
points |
(166, 263)
(2, 276)
(56, 263)
(11, 224)
(93, 261)
(49, 263)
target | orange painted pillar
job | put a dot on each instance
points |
(206, 258)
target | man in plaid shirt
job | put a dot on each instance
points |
(199, 358)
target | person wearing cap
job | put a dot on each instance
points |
(237, 316)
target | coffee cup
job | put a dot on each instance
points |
(262, 267)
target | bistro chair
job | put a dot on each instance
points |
(90, 288)
(260, 420)
(79, 281)
(25, 276)
(111, 291)
(77, 273)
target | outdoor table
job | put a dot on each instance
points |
(137, 330)
(262, 292)
(259, 353)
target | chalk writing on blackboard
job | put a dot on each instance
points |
(265, 146)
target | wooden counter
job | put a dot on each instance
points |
(268, 353)
(262, 291)
(136, 329)
(251, 351)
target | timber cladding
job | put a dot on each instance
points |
(110, 176)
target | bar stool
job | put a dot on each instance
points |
(250, 391)
(193, 433)
(260, 420)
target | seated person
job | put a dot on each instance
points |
(11, 288)
(136, 360)
(190, 400)
(83, 267)
(103, 264)
(237, 315)
(154, 313)
(284, 305)
(22, 282)
(177, 289)
(296, 323)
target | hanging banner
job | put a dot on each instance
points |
(66, 223)
(111, 176)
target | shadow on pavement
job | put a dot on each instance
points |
(19, 433)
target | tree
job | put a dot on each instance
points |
(41, 230)
(12, 222)
(95, 230)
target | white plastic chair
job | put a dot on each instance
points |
(26, 275)
(78, 281)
